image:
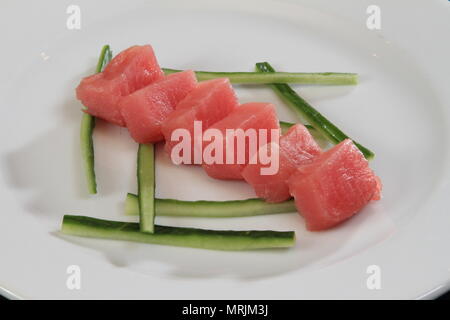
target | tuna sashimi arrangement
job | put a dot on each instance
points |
(198, 117)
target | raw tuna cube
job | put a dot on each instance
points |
(253, 115)
(145, 109)
(130, 70)
(334, 187)
(297, 147)
(209, 102)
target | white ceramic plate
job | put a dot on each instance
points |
(399, 109)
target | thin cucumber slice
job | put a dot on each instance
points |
(87, 151)
(323, 78)
(314, 117)
(174, 236)
(87, 128)
(211, 209)
(104, 59)
(146, 186)
(132, 205)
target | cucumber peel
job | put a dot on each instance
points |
(146, 186)
(87, 128)
(211, 209)
(322, 78)
(304, 109)
(175, 236)
(104, 59)
(87, 151)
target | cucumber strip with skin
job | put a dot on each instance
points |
(211, 209)
(104, 59)
(303, 108)
(146, 186)
(87, 151)
(323, 78)
(87, 129)
(175, 236)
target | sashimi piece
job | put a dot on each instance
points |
(255, 115)
(132, 69)
(334, 187)
(145, 109)
(296, 147)
(209, 102)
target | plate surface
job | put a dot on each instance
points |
(399, 110)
